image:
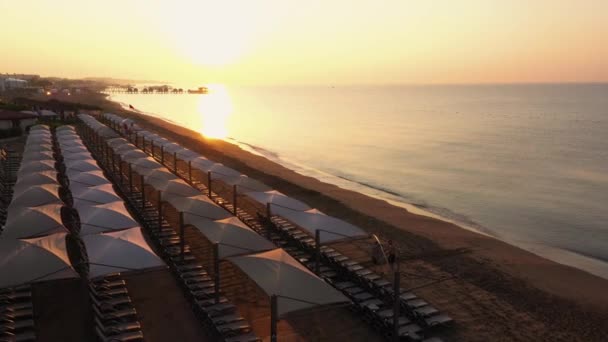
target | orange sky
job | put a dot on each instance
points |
(309, 42)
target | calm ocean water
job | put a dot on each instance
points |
(527, 164)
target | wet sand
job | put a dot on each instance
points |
(500, 292)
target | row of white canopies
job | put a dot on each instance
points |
(274, 270)
(112, 238)
(33, 243)
(309, 219)
(33, 239)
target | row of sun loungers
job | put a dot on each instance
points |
(16, 315)
(215, 311)
(114, 315)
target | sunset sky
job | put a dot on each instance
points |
(309, 42)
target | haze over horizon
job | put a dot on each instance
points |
(290, 42)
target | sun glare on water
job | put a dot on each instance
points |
(215, 109)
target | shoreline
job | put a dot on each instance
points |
(523, 279)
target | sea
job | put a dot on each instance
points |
(524, 163)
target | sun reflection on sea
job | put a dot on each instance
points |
(215, 108)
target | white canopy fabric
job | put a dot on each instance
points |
(93, 195)
(37, 139)
(117, 142)
(220, 170)
(199, 206)
(279, 199)
(125, 148)
(201, 163)
(243, 183)
(232, 235)
(187, 155)
(333, 229)
(172, 147)
(277, 273)
(38, 178)
(36, 166)
(74, 149)
(36, 195)
(104, 217)
(45, 112)
(82, 165)
(65, 128)
(38, 147)
(32, 260)
(39, 127)
(162, 174)
(34, 221)
(172, 188)
(77, 156)
(133, 155)
(120, 251)
(90, 178)
(71, 142)
(37, 155)
(145, 163)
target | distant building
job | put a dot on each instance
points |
(11, 119)
(8, 83)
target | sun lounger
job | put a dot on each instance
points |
(438, 320)
(113, 328)
(115, 315)
(108, 284)
(248, 337)
(108, 293)
(18, 337)
(16, 326)
(15, 306)
(426, 311)
(123, 337)
(225, 319)
(234, 328)
(219, 309)
(416, 303)
(105, 305)
(17, 314)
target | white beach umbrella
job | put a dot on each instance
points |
(36, 195)
(38, 147)
(36, 166)
(197, 207)
(125, 148)
(77, 156)
(187, 155)
(161, 173)
(145, 163)
(93, 195)
(74, 149)
(81, 165)
(219, 170)
(278, 199)
(333, 229)
(37, 156)
(65, 128)
(277, 273)
(172, 147)
(244, 184)
(90, 178)
(39, 127)
(37, 178)
(120, 251)
(104, 217)
(201, 163)
(133, 155)
(33, 260)
(232, 235)
(34, 221)
(115, 142)
(172, 187)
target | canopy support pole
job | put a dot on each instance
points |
(175, 161)
(190, 170)
(160, 210)
(162, 154)
(143, 193)
(143, 142)
(182, 233)
(396, 306)
(216, 271)
(130, 179)
(120, 172)
(209, 184)
(317, 251)
(234, 195)
(273, 318)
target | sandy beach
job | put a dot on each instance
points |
(496, 291)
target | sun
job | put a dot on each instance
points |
(209, 33)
